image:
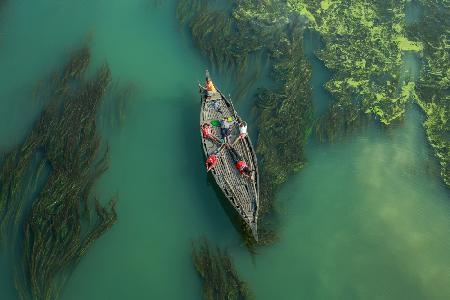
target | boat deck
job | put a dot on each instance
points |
(241, 191)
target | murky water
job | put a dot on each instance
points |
(368, 217)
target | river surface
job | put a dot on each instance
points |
(367, 218)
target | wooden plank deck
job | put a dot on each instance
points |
(242, 192)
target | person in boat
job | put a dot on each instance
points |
(240, 164)
(213, 159)
(207, 133)
(226, 125)
(210, 88)
(211, 162)
(242, 131)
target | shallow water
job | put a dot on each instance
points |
(368, 217)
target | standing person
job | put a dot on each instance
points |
(240, 164)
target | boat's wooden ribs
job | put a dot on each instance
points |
(241, 191)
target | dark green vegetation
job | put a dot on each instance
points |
(46, 182)
(433, 86)
(220, 279)
(230, 40)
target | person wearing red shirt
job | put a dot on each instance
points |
(211, 162)
(213, 158)
(240, 164)
(207, 133)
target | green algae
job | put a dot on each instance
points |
(365, 42)
(220, 278)
(432, 87)
(364, 45)
(56, 219)
(406, 45)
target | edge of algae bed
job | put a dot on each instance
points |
(433, 86)
(365, 42)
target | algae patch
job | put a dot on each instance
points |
(220, 278)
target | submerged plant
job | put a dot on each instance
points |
(58, 227)
(284, 117)
(220, 279)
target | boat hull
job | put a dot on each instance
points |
(241, 191)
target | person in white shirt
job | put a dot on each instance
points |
(242, 131)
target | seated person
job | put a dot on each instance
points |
(210, 88)
(240, 164)
(213, 158)
(242, 131)
(211, 162)
(207, 133)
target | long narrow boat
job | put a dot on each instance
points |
(242, 192)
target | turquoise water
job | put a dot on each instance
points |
(368, 217)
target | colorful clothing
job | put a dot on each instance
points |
(211, 162)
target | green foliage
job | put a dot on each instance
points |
(58, 228)
(220, 279)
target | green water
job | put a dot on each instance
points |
(368, 217)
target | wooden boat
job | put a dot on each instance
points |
(242, 192)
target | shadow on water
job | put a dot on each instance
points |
(233, 216)
(193, 155)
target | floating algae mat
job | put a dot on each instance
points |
(364, 217)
